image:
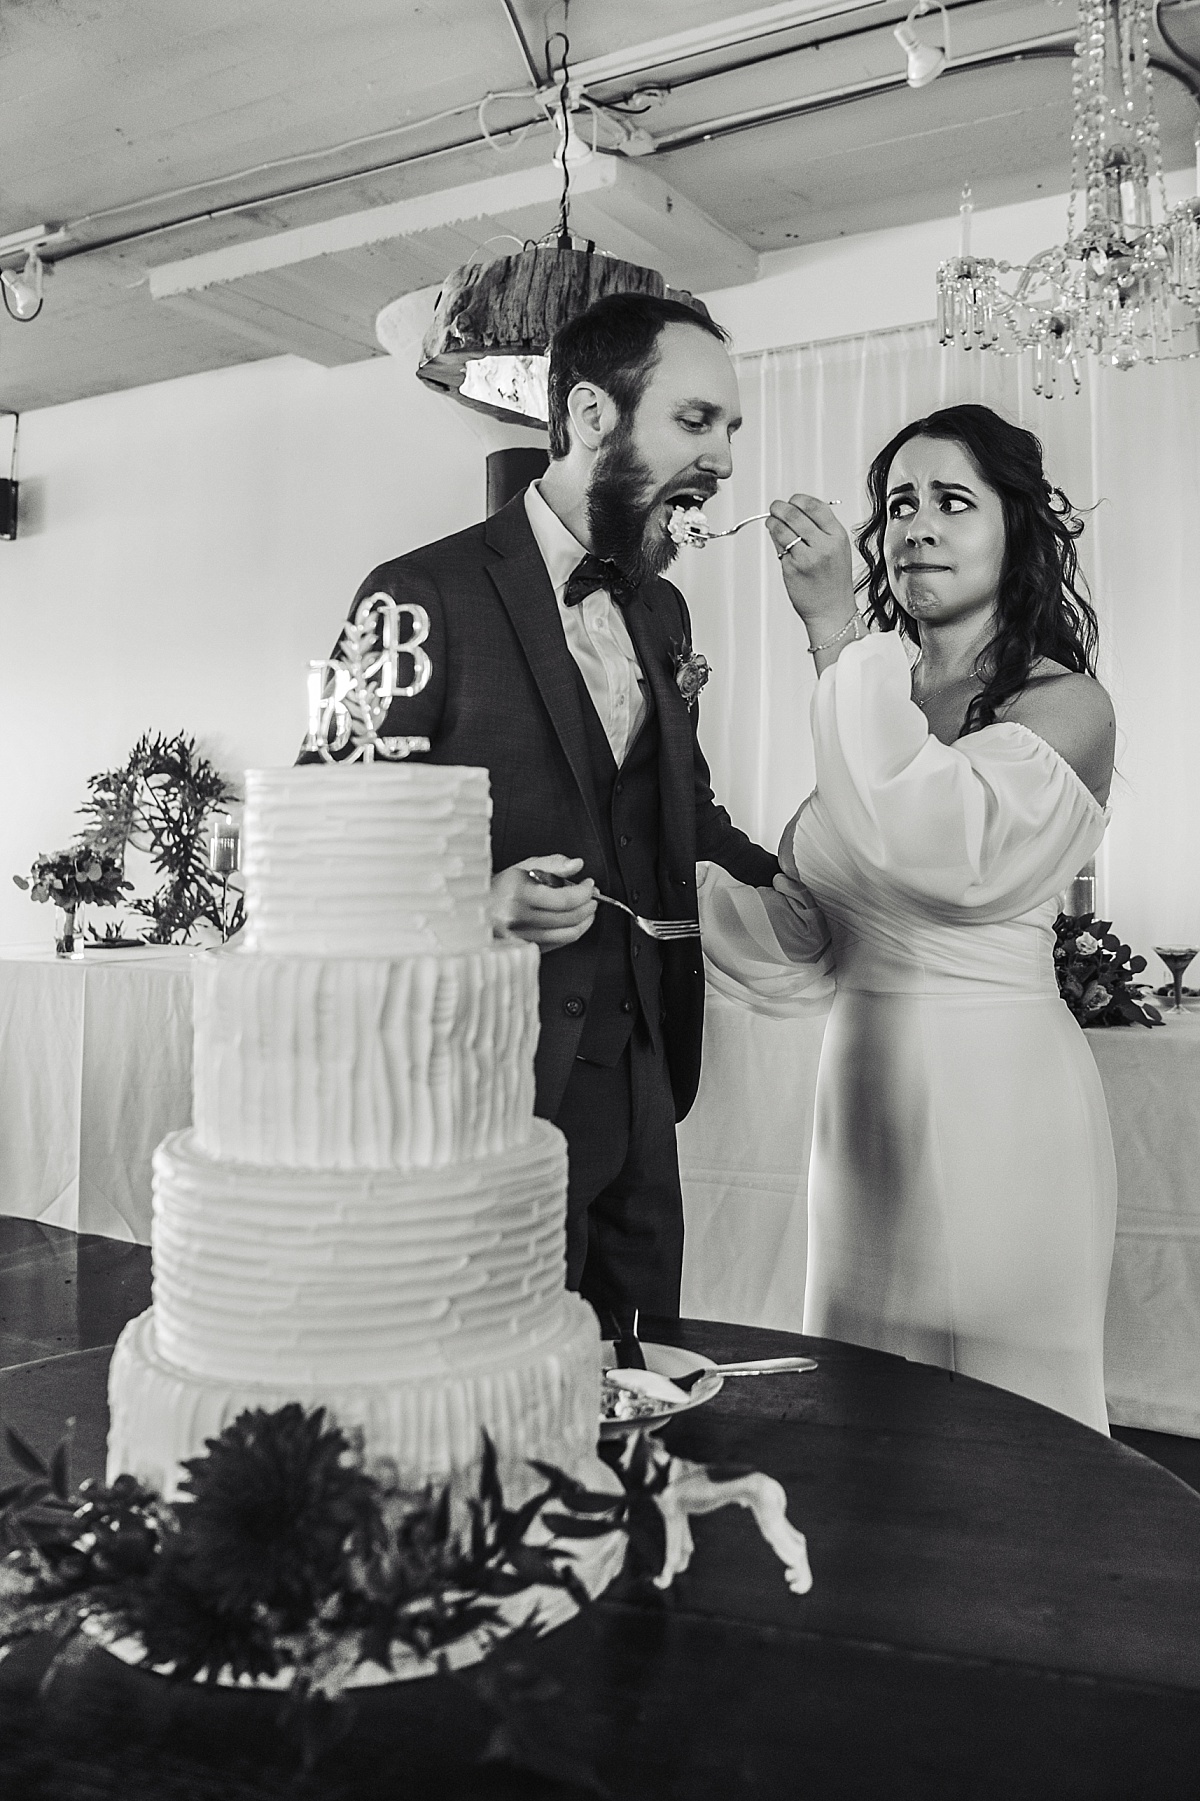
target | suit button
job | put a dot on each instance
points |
(620, 787)
(574, 1006)
(635, 949)
(634, 897)
(627, 1006)
(624, 839)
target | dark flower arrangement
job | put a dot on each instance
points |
(80, 876)
(289, 1554)
(1095, 974)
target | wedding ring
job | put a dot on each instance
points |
(796, 540)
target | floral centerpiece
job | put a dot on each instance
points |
(1095, 974)
(80, 876)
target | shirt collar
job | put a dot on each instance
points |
(560, 548)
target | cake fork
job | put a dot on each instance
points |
(730, 529)
(665, 930)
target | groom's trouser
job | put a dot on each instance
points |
(624, 1205)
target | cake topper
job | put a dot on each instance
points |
(349, 693)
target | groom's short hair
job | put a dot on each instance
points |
(615, 345)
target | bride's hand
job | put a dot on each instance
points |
(814, 554)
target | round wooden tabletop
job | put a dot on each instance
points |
(1005, 1604)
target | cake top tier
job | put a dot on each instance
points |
(367, 860)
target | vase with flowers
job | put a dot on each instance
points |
(76, 877)
(1095, 974)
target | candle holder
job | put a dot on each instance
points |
(350, 693)
(224, 857)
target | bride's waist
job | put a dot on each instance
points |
(1022, 969)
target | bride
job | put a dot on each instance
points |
(962, 1190)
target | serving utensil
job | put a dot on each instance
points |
(674, 1390)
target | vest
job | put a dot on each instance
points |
(629, 965)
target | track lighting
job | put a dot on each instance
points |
(925, 61)
(23, 291)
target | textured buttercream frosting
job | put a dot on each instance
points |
(366, 1215)
(541, 1401)
(370, 1063)
(329, 1275)
(366, 860)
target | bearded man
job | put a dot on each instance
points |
(556, 647)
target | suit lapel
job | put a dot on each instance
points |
(523, 585)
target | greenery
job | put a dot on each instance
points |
(1095, 974)
(288, 1554)
(82, 875)
(161, 801)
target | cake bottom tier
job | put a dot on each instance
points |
(543, 1403)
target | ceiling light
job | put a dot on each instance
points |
(23, 292)
(925, 61)
(1123, 286)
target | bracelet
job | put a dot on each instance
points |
(829, 643)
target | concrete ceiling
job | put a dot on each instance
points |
(156, 131)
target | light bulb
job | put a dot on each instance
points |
(24, 291)
(576, 150)
(925, 61)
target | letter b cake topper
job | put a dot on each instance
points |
(349, 693)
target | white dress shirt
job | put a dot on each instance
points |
(596, 633)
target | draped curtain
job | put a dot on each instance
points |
(1127, 452)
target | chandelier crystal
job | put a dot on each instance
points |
(1122, 288)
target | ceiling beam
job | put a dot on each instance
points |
(629, 212)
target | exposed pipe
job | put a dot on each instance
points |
(1060, 46)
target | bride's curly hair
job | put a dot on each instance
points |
(1043, 608)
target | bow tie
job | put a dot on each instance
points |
(596, 572)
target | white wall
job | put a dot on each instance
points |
(184, 550)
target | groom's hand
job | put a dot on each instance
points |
(546, 916)
(814, 554)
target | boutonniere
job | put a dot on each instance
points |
(691, 672)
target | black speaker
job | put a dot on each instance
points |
(508, 471)
(8, 509)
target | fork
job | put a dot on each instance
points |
(730, 529)
(667, 931)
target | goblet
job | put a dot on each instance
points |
(1176, 957)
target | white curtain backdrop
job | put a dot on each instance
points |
(1128, 447)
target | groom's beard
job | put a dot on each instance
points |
(621, 505)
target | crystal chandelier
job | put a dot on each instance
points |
(1122, 288)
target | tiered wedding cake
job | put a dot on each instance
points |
(365, 1215)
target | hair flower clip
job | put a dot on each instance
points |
(691, 672)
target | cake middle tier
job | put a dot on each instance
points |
(262, 1274)
(350, 1063)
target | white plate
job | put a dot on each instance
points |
(665, 1360)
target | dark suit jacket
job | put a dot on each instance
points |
(504, 695)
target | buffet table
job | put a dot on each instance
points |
(744, 1151)
(96, 1062)
(95, 1068)
(1004, 1603)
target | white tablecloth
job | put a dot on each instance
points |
(95, 1068)
(744, 1152)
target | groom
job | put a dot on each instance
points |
(556, 646)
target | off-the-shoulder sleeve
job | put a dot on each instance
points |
(984, 828)
(767, 948)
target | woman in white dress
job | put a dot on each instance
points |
(962, 1193)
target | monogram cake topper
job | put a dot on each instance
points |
(349, 693)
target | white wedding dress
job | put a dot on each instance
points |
(962, 1190)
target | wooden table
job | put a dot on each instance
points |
(1005, 1605)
